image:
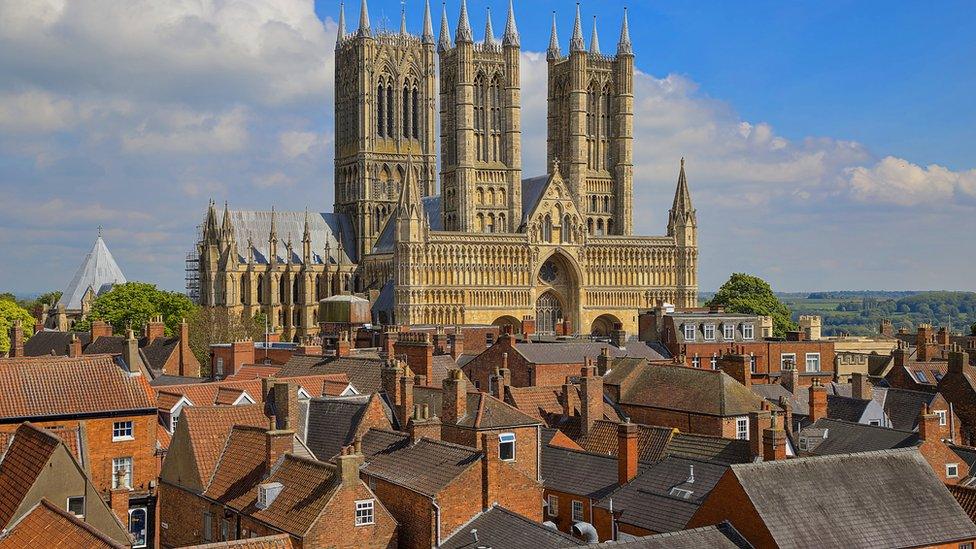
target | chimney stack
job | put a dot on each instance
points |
(155, 328)
(74, 346)
(457, 344)
(349, 461)
(454, 398)
(567, 406)
(277, 442)
(861, 387)
(928, 425)
(100, 328)
(758, 421)
(603, 361)
(618, 336)
(591, 397)
(958, 359)
(130, 351)
(118, 498)
(774, 441)
(528, 327)
(185, 350)
(286, 406)
(343, 347)
(790, 379)
(423, 425)
(738, 365)
(17, 339)
(390, 382)
(924, 342)
(626, 452)
(818, 400)
(503, 377)
(942, 337)
(440, 341)
(405, 406)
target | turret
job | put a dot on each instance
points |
(341, 31)
(363, 20)
(594, 39)
(576, 43)
(683, 226)
(553, 52)
(624, 46)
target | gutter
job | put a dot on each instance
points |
(437, 512)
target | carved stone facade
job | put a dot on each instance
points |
(492, 248)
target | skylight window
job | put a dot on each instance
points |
(681, 493)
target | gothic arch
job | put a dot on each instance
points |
(604, 324)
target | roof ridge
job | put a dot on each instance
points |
(831, 457)
(71, 518)
(450, 445)
(858, 424)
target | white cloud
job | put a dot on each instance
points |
(184, 131)
(295, 144)
(273, 180)
(35, 111)
(898, 181)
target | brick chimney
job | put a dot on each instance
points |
(758, 420)
(790, 379)
(774, 441)
(343, 346)
(738, 365)
(818, 400)
(454, 398)
(457, 344)
(440, 341)
(928, 425)
(591, 397)
(405, 406)
(185, 350)
(899, 355)
(241, 353)
(958, 359)
(502, 377)
(118, 498)
(528, 326)
(423, 425)
(100, 328)
(787, 414)
(942, 337)
(924, 340)
(390, 381)
(618, 336)
(626, 452)
(860, 387)
(130, 351)
(286, 405)
(418, 351)
(74, 346)
(603, 361)
(277, 442)
(17, 339)
(154, 328)
(349, 460)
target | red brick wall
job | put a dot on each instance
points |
(956, 389)
(513, 485)
(336, 527)
(685, 421)
(524, 373)
(412, 511)
(564, 519)
(526, 445)
(727, 501)
(768, 356)
(604, 526)
(182, 514)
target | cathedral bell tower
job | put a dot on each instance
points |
(385, 86)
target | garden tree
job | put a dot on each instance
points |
(209, 325)
(972, 329)
(10, 311)
(748, 294)
(132, 305)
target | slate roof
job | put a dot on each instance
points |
(483, 411)
(324, 229)
(568, 352)
(652, 442)
(710, 448)
(53, 386)
(532, 189)
(720, 536)
(966, 453)
(646, 501)
(364, 373)
(903, 406)
(52, 342)
(500, 528)
(425, 467)
(845, 437)
(158, 351)
(387, 238)
(332, 423)
(97, 271)
(709, 392)
(23, 461)
(576, 472)
(870, 499)
(47, 525)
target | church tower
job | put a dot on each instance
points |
(591, 126)
(384, 112)
(683, 226)
(481, 148)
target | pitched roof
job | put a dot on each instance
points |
(70, 436)
(576, 472)
(425, 467)
(227, 392)
(254, 371)
(364, 373)
(158, 351)
(483, 411)
(23, 461)
(845, 437)
(52, 386)
(498, 527)
(966, 497)
(308, 487)
(46, 525)
(332, 423)
(52, 342)
(240, 467)
(652, 442)
(568, 352)
(545, 403)
(97, 271)
(710, 448)
(966, 453)
(720, 536)
(903, 406)
(869, 499)
(208, 428)
(325, 229)
(647, 501)
(278, 541)
(710, 392)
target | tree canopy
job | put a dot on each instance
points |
(748, 294)
(10, 311)
(132, 305)
(209, 325)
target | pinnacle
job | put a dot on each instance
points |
(464, 27)
(576, 43)
(511, 32)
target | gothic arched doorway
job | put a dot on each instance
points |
(548, 312)
(604, 324)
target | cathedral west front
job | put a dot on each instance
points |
(469, 240)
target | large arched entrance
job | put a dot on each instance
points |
(548, 313)
(603, 325)
(508, 320)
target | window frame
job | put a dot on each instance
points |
(742, 433)
(219, 366)
(577, 506)
(753, 364)
(696, 362)
(713, 362)
(953, 467)
(506, 439)
(749, 331)
(368, 507)
(706, 328)
(728, 331)
(145, 519)
(126, 426)
(943, 417)
(116, 461)
(782, 362)
(207, 526)
(690, 332)
(806, 362)
(553, 505)
(67, 506)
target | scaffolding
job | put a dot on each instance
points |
(192, 269)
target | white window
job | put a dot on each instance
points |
(489, 339)
(364, 512)
(942, 417)
(553, 505)
(76, 506)
(952, 470)
(709, 332)
(803, 443)
(812, 362)
(680, 493)
(742, 428)
(174, 420)
(121, 430)
(714, 362)
(506, 446)
(219, 369)
(138, 526)
(122, 465)
(696, 362)
(207, 527)
(748, 331)
(728, 331)
(689, 332)
(577, 510)
(875, 422)
(752, 363)
(787, 362)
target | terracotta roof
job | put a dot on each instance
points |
(71, 437)
(499, 527)
(22, 463)
(50, 386)
(209, 426)
(543, 402)
(363, 373)
(652, 442)
(46, 525)
(308, 487)
(710, 392)
(226, 392)
(254, 371)
(279, 541)
(163, 436)
(483, 411)
(240, 467)
(425, 467)
(228, 396)
(966, 497)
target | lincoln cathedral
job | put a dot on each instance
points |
(468, 240)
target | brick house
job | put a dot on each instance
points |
(957, 388)
(433, 487)
(499, 527)
(332, 423)
(47, 525)
(781, 504)
(36, 467)
(227, 359)
(112, 410)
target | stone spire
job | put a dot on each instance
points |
(342, 23)
(444, 42)
(409, 194)
(363, 20)
(624, 47)
(682, 197)
(403, 19)
(594, 39)
(489, 32)
(428, 36)
(307, 242)
(226, 228)
(464, 27)
(511, 37)
(553, 52)
(307, 234)
(273, 239)
(576, 43)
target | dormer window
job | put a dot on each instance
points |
(709, 330)
(267, 493)
(728, 331)
(748, 331)
(689, 332)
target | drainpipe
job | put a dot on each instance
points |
(538, 453)
(437, 513)
(952, 426)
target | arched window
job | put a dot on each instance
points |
(491, 224)
(296, 286)
(244, 292)
(480, 226)
(605, 127)
(479, 118)
(415, 110)
(565, 228)
(380, 111)
(609, 226)
(599, 227)
(389, 110)
(260, 299)
(481, 195)
(547, 229)
(589, 225)
(606, 203)
(282, 290)
(496, 120)
(592, 203)
(591, 126)
(501, 223)
(405, 108)
(491, 196)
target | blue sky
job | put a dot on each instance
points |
(830, 144)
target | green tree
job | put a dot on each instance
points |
(748, 294)
(209, 325)
(132, 305)
(972, 329)
(10, 311)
